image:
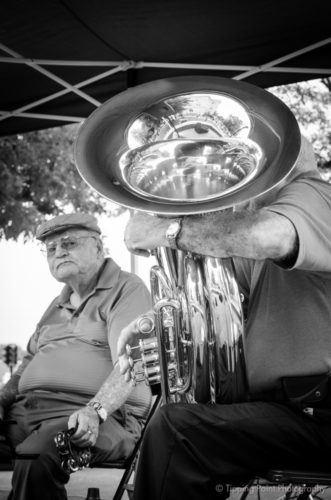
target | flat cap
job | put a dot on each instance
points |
(63, 222)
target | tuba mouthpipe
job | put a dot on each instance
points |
(160, 284)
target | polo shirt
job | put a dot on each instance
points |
(74, 350)
(288, 328)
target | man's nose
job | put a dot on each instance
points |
(60, 250)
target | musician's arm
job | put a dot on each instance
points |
(256, 234)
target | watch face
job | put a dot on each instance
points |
(173, 229)
(172, 233)
(102, 414)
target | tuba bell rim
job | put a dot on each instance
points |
(98, 161)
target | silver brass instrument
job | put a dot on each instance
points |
(189, 146)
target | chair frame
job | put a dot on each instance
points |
(302, 481)
(130, 464)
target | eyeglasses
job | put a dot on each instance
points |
(67, 243)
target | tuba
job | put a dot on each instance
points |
(188, 146)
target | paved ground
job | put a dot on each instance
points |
(106, 480)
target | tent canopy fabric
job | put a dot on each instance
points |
(60, 59)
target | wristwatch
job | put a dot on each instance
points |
(172, 233)
(100, 410)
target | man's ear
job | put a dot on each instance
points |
(100, 248)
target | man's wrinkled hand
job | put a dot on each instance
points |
(144, 233)
(87, 422)
(127, 337)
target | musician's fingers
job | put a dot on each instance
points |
(145, 232)
(124, 364)
(139, 251)
(127, 336)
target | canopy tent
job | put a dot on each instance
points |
(60, 59)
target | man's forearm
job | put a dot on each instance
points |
(9, 391)
(255, 235)
(114, 391)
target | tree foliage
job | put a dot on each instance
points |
(38, 177)
(310, 103)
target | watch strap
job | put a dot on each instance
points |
(100, 410)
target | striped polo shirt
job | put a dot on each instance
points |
(74, 350)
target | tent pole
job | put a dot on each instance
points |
(297, 53)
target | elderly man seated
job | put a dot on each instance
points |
(69, 378)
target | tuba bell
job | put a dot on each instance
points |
(188, 146)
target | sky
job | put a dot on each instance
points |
(27, 287)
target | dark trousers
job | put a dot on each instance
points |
(195, 451)
(39, 417)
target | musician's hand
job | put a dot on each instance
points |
(128, 336)
(145, 232)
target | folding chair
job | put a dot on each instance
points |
(303, 480)
(129, 465)
(299, 484)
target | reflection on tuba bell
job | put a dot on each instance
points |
(183, 146)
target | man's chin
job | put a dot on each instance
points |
(64, 271)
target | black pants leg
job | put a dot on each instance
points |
(194, 451)
(42, 477)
